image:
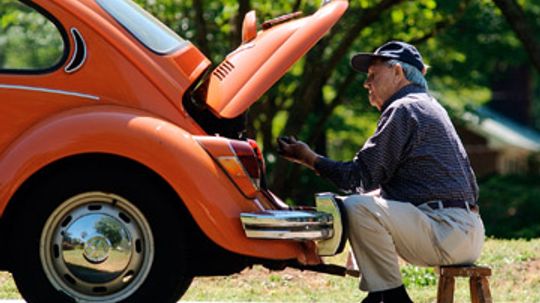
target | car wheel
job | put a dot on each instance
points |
(109, 236)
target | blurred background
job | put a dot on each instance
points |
(485, 62)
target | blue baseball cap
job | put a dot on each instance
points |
(398, 50)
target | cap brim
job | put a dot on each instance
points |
(360, 62)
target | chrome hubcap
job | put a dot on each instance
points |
(96, 250)
(97, 247)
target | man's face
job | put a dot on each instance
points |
(380, 83)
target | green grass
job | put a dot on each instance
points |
(7, 287)
(515, 264)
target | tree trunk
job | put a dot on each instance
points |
(518, 21)
(202, 32)
(297, 5)
(244, 6)
(318, 129)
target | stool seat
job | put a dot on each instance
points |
(478, 282)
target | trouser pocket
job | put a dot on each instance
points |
(459, 236)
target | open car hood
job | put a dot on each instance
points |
(250, 70)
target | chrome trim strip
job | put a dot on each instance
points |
(288, 235)
(50, 91)
(288, 225)
(286, 218)
(325, 225)
(71, 69)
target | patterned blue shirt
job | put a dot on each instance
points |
(415, 155)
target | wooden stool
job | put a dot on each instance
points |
(477, 280)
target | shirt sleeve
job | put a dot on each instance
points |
(347, 176)
(378, 159)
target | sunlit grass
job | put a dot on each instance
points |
(7, 287)
(515, 264)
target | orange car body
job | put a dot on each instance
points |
(126, 100)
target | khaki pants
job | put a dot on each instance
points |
(380, 230)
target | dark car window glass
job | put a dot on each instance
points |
(145, 27)
(28, 40)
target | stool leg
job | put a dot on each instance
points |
(486, 292)
(445, 292)
(480, 292)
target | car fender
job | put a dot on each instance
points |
(168, 150)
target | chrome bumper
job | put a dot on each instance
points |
(324, 225)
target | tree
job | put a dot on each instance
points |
(27, 40)
(462, 40)
(333, 70)
(517, 19)
(111, 229)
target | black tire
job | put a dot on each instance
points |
(146, 218)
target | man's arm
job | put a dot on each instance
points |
(347, 176)
(373, 165)
(380, 156)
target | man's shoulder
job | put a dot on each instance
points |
(413, 103)
(412, 100)
(412, 109)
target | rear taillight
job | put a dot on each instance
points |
(241, 160)
(259, 154)
(248, 157)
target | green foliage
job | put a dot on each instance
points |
(28, 41)
(348, 130)
(462, 41)
(418, 276)
(471, 50)
(509, 206)
(111, 229)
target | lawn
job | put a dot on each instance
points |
(515, 264)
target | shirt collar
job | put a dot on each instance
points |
(404, 91)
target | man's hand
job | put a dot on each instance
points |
(296, 151)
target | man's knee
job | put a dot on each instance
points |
(359, 203)
(361, 209)
(363, 214)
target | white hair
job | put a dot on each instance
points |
(411, 73)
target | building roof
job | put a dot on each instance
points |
(501, 130)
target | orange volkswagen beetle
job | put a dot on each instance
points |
(123, 173)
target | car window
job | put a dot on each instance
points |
(29, 41)
(143, 26)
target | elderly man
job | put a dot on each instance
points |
(425, 210)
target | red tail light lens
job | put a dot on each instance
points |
(241, 160)
(248, 158)
(259, 154)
